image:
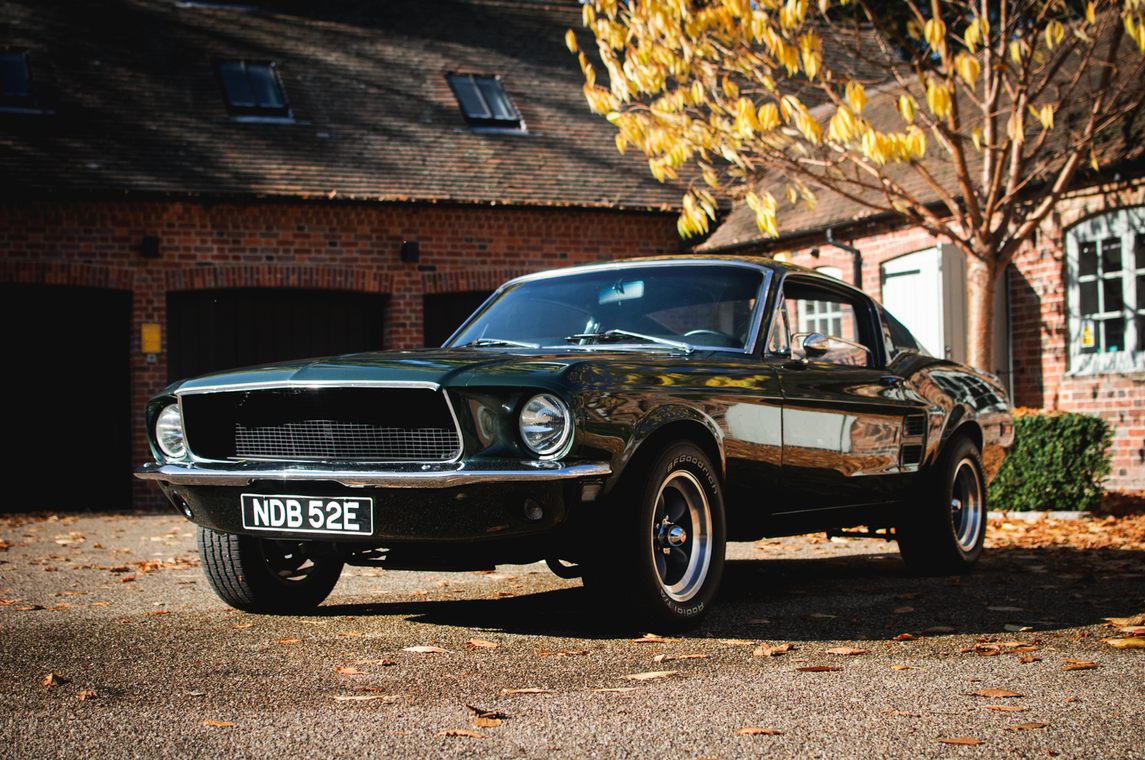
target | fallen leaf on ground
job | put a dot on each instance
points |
(965, 741)
(846, 651)
(651, 675)
(1003, 708)
(818, 668)
(766, 650)
(51, 679)
(1135, 620)
(362, 697)
(562, 653)
(939, 629)
(164, 612)
(759, 621)
(1025, 726)
(903, 610)
(427, 650)
(290, 641)
(1133, 642)
(1017, 628)
(904, 667)
(995, 693)
(85, 695)
(738, 642)
(651, 638)
(486, 722)
(1079, 664)
(1027, 659)
(219, 724)
(666, 657)
(348, 671)
(525, 691)
(480, 644)
(899, 712)
(818, 616)
(915, 595)
(347, 633)
(621, 689)
(242, 625)
(757, 731)
(905, 637)
(460, 732)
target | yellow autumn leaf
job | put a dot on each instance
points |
(967, 67)
(935, 33)
(937, 98)
(856, 96)
(1054, 33)
(1091, 13)
(906, 108)
(976, 136)
(570, 41)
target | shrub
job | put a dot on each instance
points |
(1056, 463)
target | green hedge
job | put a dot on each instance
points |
(1056, 463)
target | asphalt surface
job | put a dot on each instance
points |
(142, 660)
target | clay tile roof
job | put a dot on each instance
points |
(136, 106)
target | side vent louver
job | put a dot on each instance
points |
(914, 440)
(915, 425)
(912, 453)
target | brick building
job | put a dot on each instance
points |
(191, 186)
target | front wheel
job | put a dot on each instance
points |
(266, 575)
(946, 532)
(664, 559)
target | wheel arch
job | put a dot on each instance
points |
(682, 423)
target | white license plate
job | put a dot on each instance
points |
(308, 514)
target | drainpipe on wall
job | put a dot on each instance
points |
(856, 257)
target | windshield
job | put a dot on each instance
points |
(700, 305)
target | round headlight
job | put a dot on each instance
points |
(545, 424)
(169, 432)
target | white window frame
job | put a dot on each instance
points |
(1128, 226)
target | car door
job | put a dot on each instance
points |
(843, 412)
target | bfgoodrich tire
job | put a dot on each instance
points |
(263, 575)
(945, 533)
(664, 555)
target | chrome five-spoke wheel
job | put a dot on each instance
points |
(681, 536)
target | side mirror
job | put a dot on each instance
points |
(815, 345)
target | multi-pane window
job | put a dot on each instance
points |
(1107, 293)
(16, 91)
(252, 89)
(484, 102)
(823, 317)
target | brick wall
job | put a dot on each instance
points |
(348, 247)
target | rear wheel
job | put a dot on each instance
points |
(663, 564)
(946, 532)
(265, 575)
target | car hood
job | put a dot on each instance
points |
(451, 368)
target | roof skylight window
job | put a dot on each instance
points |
(253, 91)
(16, 89)
(484, 102)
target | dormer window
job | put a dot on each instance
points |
(16, 89)
(253, 91)
(484, 102)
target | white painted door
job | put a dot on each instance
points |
(912, 291)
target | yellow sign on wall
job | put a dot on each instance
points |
(151, 338)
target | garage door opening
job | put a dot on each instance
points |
(212, 330)
(68, 351)
(443, 313)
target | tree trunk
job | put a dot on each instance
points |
(981, 281)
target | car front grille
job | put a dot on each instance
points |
(322, 424)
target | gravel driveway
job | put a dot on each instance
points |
(113, 645)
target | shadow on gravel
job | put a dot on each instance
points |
(853, 597)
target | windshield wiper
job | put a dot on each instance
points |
(501, 342)
(613, 336)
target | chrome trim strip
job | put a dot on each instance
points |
(307, 384)
(416, 476)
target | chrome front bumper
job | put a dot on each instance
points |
(370, 476)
